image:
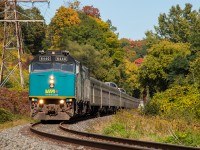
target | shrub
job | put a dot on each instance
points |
(150, 109)
(5, 115)
(176, 102)
(14, 101)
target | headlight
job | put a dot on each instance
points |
(41, 101)
(51, 81)
(62, 101)
(52, 77)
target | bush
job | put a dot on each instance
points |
(14, 101)
(150, 109)
(176, 102)
(5, 115)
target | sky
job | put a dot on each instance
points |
(131, 17)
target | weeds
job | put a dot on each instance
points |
(5, 116)
(132, 124)
(12, 120)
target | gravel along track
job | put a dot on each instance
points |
(20, 137)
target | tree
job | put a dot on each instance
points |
(86, 54)
(178, 69)
(87, 32)
(131, 76)
(179, 25)
(33, 33)
(64, 17)
(155, 71)
(107, 70)
(112, 28)
(194, 75)
(91, 11)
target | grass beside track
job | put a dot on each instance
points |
(14, 123)
(16, 120)
(134, 125)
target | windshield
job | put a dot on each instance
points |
(39, 67)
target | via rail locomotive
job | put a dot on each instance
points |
(60, 88)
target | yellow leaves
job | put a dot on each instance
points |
(130, 67)
(131, 70)
(178, 98)
(169, 48)
(103, 25)
(65, 17)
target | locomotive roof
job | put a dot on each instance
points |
(53, 56)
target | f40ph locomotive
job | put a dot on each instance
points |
(60, 88)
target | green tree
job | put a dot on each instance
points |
(178, 69)
(181, 25)
(151, 39)
(86, 54)
(107, 70)
(194, 75)
(86, 32)
(113, 28)
(154, 71)
(33, 33)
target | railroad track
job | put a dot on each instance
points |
(106, 142)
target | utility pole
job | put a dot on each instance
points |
(11, 65)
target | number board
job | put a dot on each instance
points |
(44, 58)
(60, 58)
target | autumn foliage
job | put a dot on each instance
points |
(14, 101)
(91, 11)
(136, 43)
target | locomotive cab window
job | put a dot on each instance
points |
(70, 67)
(39, 67)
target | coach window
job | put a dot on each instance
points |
(113, 85)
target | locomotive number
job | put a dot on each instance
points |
(44, 58)
(60, 58)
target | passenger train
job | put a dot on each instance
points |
(61, 88)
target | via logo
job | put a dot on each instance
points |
(51, 91)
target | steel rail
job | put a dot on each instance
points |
(101, 145)
(145, 144)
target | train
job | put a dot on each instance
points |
(60, 88)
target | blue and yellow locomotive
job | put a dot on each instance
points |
(61, 88)
(52, 85)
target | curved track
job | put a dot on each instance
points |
(105, 142)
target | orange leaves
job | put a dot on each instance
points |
(91, 11)
(137, 43)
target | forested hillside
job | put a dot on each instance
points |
(171, 68)
(169, 74)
